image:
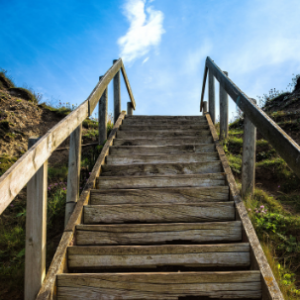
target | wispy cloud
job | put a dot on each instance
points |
(145, 30)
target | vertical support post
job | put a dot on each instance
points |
(249, 154)
(211, 96)
(73, 172)
(204, 107)
(102, 116)
(223, 112)
(117, 95)
(129, 109)
(36, 222)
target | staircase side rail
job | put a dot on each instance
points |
(18, 175)
(287, 148)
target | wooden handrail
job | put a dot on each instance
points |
(287, 148)
(17, 176)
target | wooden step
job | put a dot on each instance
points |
(163, 142)
(131, 182)
(128, 234)
(151, 150)
(161, 169)
(163, 134)
(167, 118)
(196, 256)
(159, 213)
(134, 127)
(159, 195)
(163, 123)
(126, 159)
(159, 286)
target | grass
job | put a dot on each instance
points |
(6, 162)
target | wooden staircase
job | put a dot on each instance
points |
(161, 223)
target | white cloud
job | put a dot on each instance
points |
(145, 60)
(145, 30)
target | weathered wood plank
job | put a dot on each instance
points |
(120, 159)
(126, 234)
(36, 229)
(74, 167)
(270, 285)
(211, 96)
(102, 117)
(163, 142)
(131, 182)
(213, 255)
(162, 123)
(157, 213)
(129, 109)
(162, 286)
(134, 127)
(161, 169)
(155, 150)
(117, 94)
(123, 134)
(160, 195)
(128, 87)
(168, 118)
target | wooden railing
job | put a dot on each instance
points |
(286, 147)
(31, 169)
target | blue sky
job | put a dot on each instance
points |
(60, 48)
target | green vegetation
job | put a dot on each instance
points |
(5, 81)
(6, 162)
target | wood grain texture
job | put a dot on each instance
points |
(161, 169)
(153, 286)
(154, 127)
(151, 150)
(163, 142)
(160, 195)
(163, 123)
(128, 234)
(168, 118)
(126, 159)
(270, 285)
(74, 167)
(130, 182)
(36, 230)
(124, 134)
(157, 213)
(212, 255)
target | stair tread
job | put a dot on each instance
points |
(156, 195)
(234, 284)
(159, 213)
(118, 159)
(212, 255)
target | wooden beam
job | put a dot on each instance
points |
(36, 229)
(223, 112)
(203, 87)
(102, 116)
(73, 172)
(117, 95)
(129, 109)
(211, 96)
(128, 86)
(286, 147)
(204, 107)
(249, 155)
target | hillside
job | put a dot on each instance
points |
(21, 116)
(275, 206)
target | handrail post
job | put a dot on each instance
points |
(73, 172)
(249, 154)
(117, 95)
(223, 112)
(36, 221)
(102, 116)
(204, 107)
(211, 96)
(129, 109)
